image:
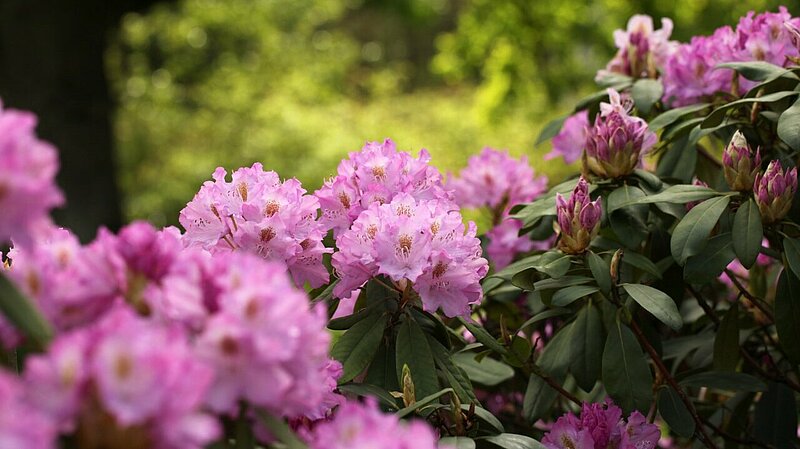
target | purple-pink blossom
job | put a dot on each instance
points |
(774, 191)
(601, 425)
(28, 168)
(570, 141)
(423, 242)
(641, 50)
(376, 174)
(740, 164)
(364, 426)
(257, 213)
(578, 219)
(22, 424)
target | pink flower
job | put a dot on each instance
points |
(376, 174)
(578, 219)
(774, 191)
(257, 213)
(364, 426)
(571, 140)
(642, 51)
(28, 169)
(22, 426)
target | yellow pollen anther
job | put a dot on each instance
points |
(272, 208)
(242, 187)
(267, 234)
(405, 243)
(345, 200)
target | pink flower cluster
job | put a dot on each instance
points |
(495, 180)
(28, 169)
(601, 426)
(376, 174)
(258, 213)
(689, 74)
(418, 241)
(22, 425)
(641, 50)
(363, 426)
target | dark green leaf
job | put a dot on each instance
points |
(726, 343)
(747, 233)
(791, 248)
(641, 262)
(519, 351)
(554, 263)
(716, 117)
(724, 380)
(691, 234)
(776, 417)
(539, 396)
(567, 296)
(365, 390)
(457, 442)
(679, 194)
(513, 441)
(488, 371)
(456, 376)
(754, 70)
(486, 417)
(346, 322)
(23, 314)
(356, 348)
(412, 349)
(587, 347)
(483, 337)
(629, 223)
(707, 266)
(626, 374)
(600, 270)
(278, 428)
(789, 126)
(674, 412)
(787, 314)
(671, 116)
(564, 281)
(427, 400)
(550, 130)
(679, 160)
(646, 92)
(549, 313)
(657, 303)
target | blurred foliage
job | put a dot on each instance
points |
(296, 84)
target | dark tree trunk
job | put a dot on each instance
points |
(51, 62)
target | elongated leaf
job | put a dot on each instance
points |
(724, 380)
(562, 282)
(646, 92)
(550, 130)
(726, 343)
(626, 374)
(691, 234)
(657, 303)
(488, 371)
(346, 322)
(549, 313)
(280, 430)
(457, 443)
(22, 314)
(554, 263)
(364, 390)
(674, 412)
(600, 270)
(776, 417)
(641, 262)
(412, 349)
(427, 400)
(539, 396)
(486, 417)
(787, 314)
(567, 296)
(678, 194)
(671, 116)
(483, 337)
(716, 117)
(747, 233)
(789, 126)
(754, 70)
(791, 248)
(587, 347)
(629, 223)
(513, 441)
(356, 348)
(708, 265)
(456, 376)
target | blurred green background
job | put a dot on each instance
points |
(296, 84)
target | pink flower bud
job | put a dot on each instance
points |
(739, 164)
(774, 191)
(578, 219)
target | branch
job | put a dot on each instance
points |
(744, 292)
(536, 369)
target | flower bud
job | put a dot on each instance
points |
(739, 164)
(578, 219)
(794, 33)
(774, 191)
(615, 144)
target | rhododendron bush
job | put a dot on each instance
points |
(651, 300)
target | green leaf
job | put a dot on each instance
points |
(747, 233)
(791, 248)
(513, 441)
(671, 116)
(600, 270)
(549, 313)
(456, 376)
(646, 92)
(776, 417)
(457, 442)
(486, 417)
(724, 380)
(427, 400)
(674, 412)
(726, 342)
(789, 126)
(641, 262)
(691, 234)
(626, 374)
(657, 303)
(787, 314)
(754, 70)
(678, 194)
(539, 396)
(554, 264)
(550, 130)
(587, 347)
(488, 371)
(364, 390)
(356, 348)
(23, 314)
(679, 161)
(483, 337)
(278, 428)
(716, 116)
(629, 223)
(412, 349)
(562, 282)
(346, 322)
(707, 266)
(567, 296)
